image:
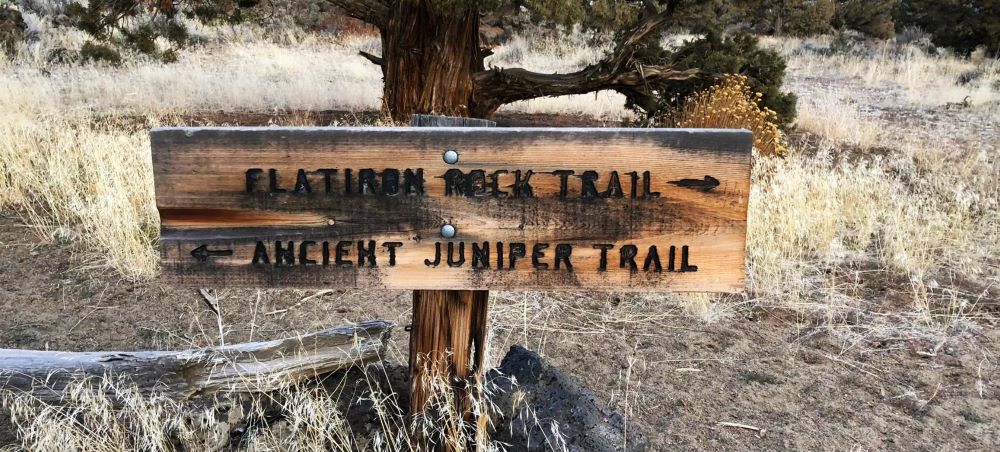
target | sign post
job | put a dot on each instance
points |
(452, 212)
(449, 333)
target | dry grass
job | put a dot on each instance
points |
(309, 74)
(833, 116)
(90, 420)
(921, 79)
(347, 411)
(925, 212)
(82, 183)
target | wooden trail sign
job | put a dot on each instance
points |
(454, 208)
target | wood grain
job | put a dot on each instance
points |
(252, 367)
(201, 178)
(448, 341)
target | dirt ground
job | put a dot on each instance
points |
(794, 382)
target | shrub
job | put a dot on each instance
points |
(716, 15)
(871, 17)
(169, 56)
(731, 104)
(136, 24)
(850, 43)
(792, 17)
(736, 54)
(62, 55)
(916, 37)
(12, 29)
(805, 18)
(92, 51)
(962, 25)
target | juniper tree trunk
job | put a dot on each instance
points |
(429, 57)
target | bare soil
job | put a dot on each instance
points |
(794, 381)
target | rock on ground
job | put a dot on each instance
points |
(549, 410)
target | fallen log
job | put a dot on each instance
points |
(252, 367)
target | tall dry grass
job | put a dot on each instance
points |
(84, 183)
(918, 77)
(111, 415)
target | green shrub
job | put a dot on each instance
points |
(96, 52)
(62, 55)
(871, 17)
(806, 18)
(848, 42)
(13, 29)
(716, 56)
(962, 25)
(135, 25)
(142, 39)
(169, 56)
(176, 33)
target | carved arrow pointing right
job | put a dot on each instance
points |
(705, 185)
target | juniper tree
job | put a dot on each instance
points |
(871, 17)
(960, 24)
(433, 60)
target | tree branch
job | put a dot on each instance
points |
(510, 85)
(251, 367)
(620, 72)
(375, 12)
(650, 6)
(626, 46)
(374, 59)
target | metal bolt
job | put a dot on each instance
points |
(450, 156)
(447, 231)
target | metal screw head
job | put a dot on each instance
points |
(450, 156)
(447, 231)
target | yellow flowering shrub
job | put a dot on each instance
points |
(731, 105)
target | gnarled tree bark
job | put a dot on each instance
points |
(429, 57)
(432, 61)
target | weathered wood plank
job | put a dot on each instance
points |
(591, 192)
(242, 368)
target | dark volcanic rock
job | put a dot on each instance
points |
(539, 400)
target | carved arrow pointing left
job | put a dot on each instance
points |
(202, 253)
